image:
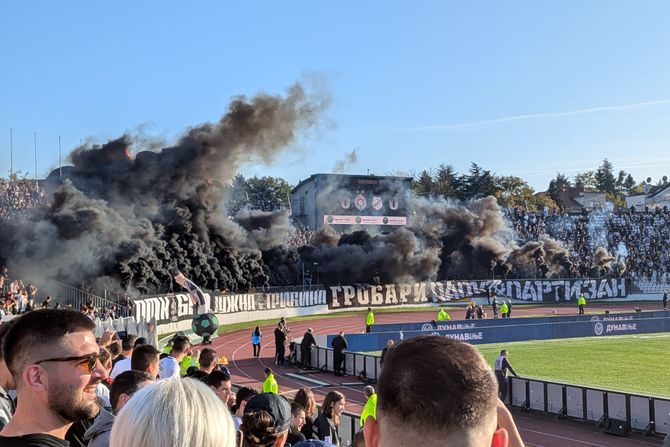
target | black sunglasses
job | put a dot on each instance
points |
(90, 359)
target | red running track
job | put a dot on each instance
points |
(537, 430)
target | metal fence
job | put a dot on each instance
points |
(649, 414)
(75, 297)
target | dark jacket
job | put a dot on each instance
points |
(97, 434)
(323, 428)
(280, 337)
(294, 437)
(339, 343)
(307, 341)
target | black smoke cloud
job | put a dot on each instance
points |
(121, 222)
(443, 240)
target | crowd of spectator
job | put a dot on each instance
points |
(299, 236)
(20, 195)
(638, 242)
(123, 392)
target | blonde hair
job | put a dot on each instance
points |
(176, 413)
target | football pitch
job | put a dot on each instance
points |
(632, 363)
(637, 364)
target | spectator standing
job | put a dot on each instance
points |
(220, 383)
(242, 397)
(169, 366)
(56, 347)
(502, 367)
(339, 344)
(494, 307)
(297, 422)
(146, 358)
(437, 391)
(280, 345)
(325, 426)
(270, 384)
(369, 320)
(125, 385)
(581, 302)
(504, 309)
(306, 349)
(6, 381)
(305, 398)
(370, 408)
(122, 363)
(174, 413)
(665, 299)
(509, 308)
(443, 315)
(256, 341)
(389, 345)
(266, 421)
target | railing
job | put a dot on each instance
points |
(649, 414)
(69, 295)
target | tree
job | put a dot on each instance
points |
(604, 177)
(629, 185)
(446, 182)
(260, 193)
(268, 193)
(514, 192)
(424, 185)
(586, 179)
(557, 185)
(477, 183)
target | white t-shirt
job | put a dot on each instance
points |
(103, 395)
(168, 368)
(122, 365)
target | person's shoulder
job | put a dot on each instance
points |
(33, 440)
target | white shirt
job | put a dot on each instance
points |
(103, 395)
(168, 368)
(122, 365)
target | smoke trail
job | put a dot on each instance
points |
(350, 159)
(125, 222)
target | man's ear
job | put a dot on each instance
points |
(123, 398)
(36, 378)
(371, 432)
(500, 438)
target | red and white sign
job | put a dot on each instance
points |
(360, 201)
(377, 203)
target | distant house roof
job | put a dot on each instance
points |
(569, 195)
(656, 190)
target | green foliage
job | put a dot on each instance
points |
(586, 179)
(259, 193)
(604, 177)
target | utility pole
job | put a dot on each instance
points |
(60, 163)
(35, 139)
(11, 153)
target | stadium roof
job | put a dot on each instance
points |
(347, 176)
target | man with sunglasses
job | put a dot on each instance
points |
(54, 360)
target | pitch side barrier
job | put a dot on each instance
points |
(521, 331)
(646, 413)
(430, 326)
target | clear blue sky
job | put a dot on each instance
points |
(414, 84)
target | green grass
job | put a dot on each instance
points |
(634, 363)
